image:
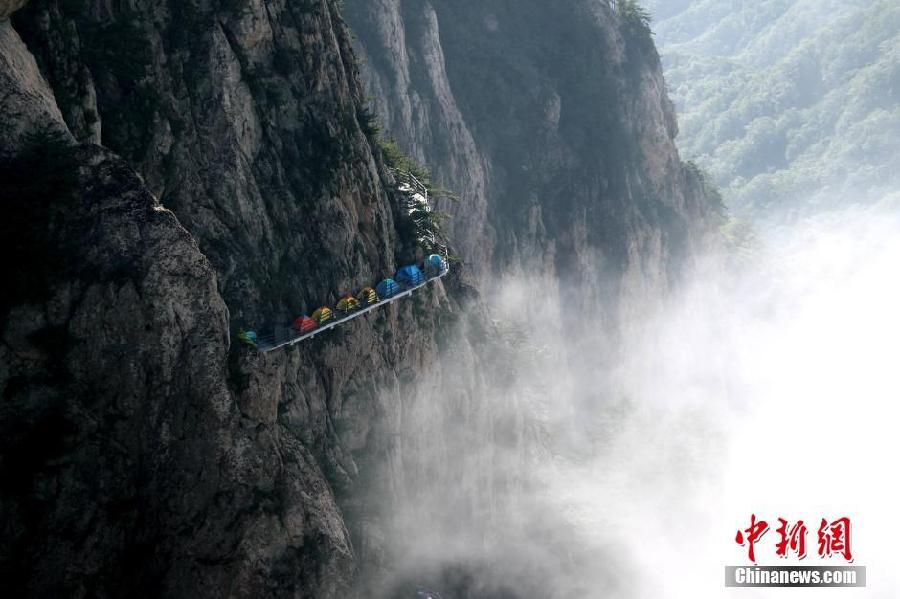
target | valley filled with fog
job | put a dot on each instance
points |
(767, 383)
(668, 234)
(767, 386)
(770, 390)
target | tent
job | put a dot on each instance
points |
(323, 315)
(409, 276)
(248, 337)
(347, 304)
(367, 297)
(387, 288)
(435, 265)
(305, 324)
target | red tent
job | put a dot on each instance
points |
(305, 324)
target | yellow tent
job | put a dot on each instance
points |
(367, 297)
(347, 304)
(323, 315)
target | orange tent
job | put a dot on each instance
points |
(305, 324)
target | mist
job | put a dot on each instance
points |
(770, 390)
(614, 451)
(764, 385)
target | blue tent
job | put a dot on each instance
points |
(434, 265)
(248, 337)
(387, 288)
(409, 276)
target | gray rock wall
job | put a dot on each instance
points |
(189, 466)
(236, 184)
(553, 123)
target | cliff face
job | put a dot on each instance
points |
(178, 464)
(129, 466)
(243, 119)
(180, 169)
(553, 122)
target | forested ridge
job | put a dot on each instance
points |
(789, 104)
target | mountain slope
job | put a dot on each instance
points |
(576, 214)
(211, 166)
(199, 467)
(553, 123)
(789, 105)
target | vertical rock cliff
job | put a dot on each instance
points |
(176, 170)
(552, 120)
(576, 214)
(236, 185)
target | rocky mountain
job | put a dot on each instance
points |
(553, 124)
(175, 457)
(792, 106)
(175, 171)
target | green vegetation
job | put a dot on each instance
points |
(429, 229)
(427, 224)
(635, 26)
(397, 160)
(423, 225)
(636, 18)
(368, 120)
(789, 104)
(708, 189)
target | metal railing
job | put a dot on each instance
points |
(411, 180)
(285, 336)
(289, 336)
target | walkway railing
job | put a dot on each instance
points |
(407, 178)
(290, 336)
(286, 336)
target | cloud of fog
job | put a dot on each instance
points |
(771, 388)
